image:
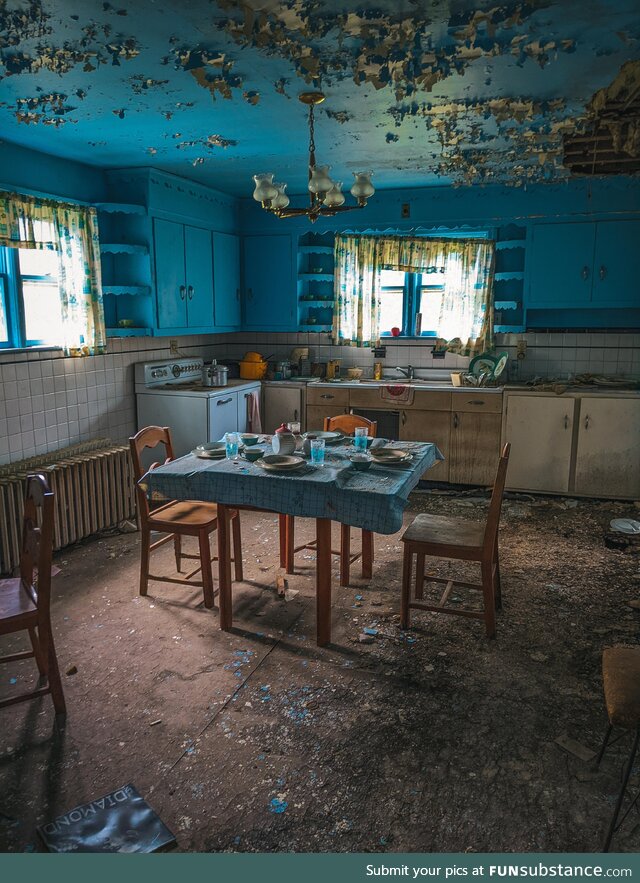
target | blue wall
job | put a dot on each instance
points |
(29, 171)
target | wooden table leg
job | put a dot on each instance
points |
(224, 569)
(367, 554)
(282, 525)
(323, 581)
(345, 554)
(291, 539)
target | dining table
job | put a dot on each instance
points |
(373, 500)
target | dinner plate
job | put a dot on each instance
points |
(390, 455)
(204, 454)
(211, 447)
(500, 365)
(483, 364)
(330, 438)
(281, 463)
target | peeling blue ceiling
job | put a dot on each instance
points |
(422, 93)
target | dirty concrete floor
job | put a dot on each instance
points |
(265, 742)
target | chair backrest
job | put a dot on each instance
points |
(347, 423)
(149, 437)
(36, 550)
(495, 506)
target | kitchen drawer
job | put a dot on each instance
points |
(326, 396)
(477, 403)
(428, 400)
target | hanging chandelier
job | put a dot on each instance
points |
(325, 196)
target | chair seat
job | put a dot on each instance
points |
(621, 677)
(439, 530)
(185, 513)
(15, 603)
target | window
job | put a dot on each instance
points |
(30, 313)
(402, 297)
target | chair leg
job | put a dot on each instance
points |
(282, 530)
(291, 535)
(237, 546)
(497, 586)
(489, 598)
(145, 554)
(625, 782)
(53, 672)
(177, 548)
(345, 554)
(205, 564)
(419, 576)
(367, 554)
(407, 564)
(607, 736)
(37, 652)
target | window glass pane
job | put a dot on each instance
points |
(391, 301)
(42, 316)
(430, 300)
(4, 325)
(38, 262)
(392, 278)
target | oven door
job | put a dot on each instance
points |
(223, 415)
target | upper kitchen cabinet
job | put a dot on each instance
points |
(269, 283)
(184, 276)
(226, 280)
(584, 266)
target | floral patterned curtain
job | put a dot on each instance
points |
(71, 231)
(356, 312)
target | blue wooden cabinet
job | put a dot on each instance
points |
(584, 266)
(184, 276)
(269, 283)
(226, 280)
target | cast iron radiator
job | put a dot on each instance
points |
(94, 491)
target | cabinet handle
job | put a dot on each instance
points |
(190, 292)
(585, 272)
(566, 422)
(250, 293)
(403, 417)
(327, 395)
(587, 420)
(237, 294)
(475, 402)
(224, 401)
(455, 421)
(295, 415)
(183, 291)
(603, 272)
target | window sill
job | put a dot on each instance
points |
(19, 350)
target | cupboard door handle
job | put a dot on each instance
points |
(603, 272)
(182, 292)
(566, 422)
(475, 402)
(295, 415)
(587, 420)
(223, 401)
(327, 395)
(250, 293)
(455, 421)
(190, 292)
(237, 294)
(585, 272)
(403, 417)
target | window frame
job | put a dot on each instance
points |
(13, 302)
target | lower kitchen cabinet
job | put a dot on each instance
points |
(608, 451)
(540, 431)
(434, 426)
(317, 413)
(474, 447)
(282, 404)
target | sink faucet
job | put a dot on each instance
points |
(409, 371)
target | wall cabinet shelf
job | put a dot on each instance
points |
(129, 332)
(315, 249)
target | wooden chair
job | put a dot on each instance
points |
(346, 423)
(25, 600)
(621, 681)
(442, 537)
(177, 519)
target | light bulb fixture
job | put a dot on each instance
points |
(325, 196)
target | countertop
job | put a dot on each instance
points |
(418, 384)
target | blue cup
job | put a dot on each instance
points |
(317, 451)
(231, 445)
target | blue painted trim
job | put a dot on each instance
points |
(121, 208)
(133, 290)
(129, 332)
(122, 248)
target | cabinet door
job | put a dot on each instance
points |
(429, 426)
(317, 413)
(223, 415)
(199, 274)
(269, 283)
(560, 270)
(474, 447)
(282, 404)
(168, 240)
(540, 429)
(608, 455)
(226, 280)
(616, 268)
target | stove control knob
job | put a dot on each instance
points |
(176, 370)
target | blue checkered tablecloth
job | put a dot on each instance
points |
(373, 500)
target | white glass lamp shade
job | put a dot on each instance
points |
(281, 200)
(362, 187)
(265, 188)
(320, 182)
(335, 196)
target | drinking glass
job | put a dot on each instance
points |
(231, 445)
(360, 439)
(317, 451)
